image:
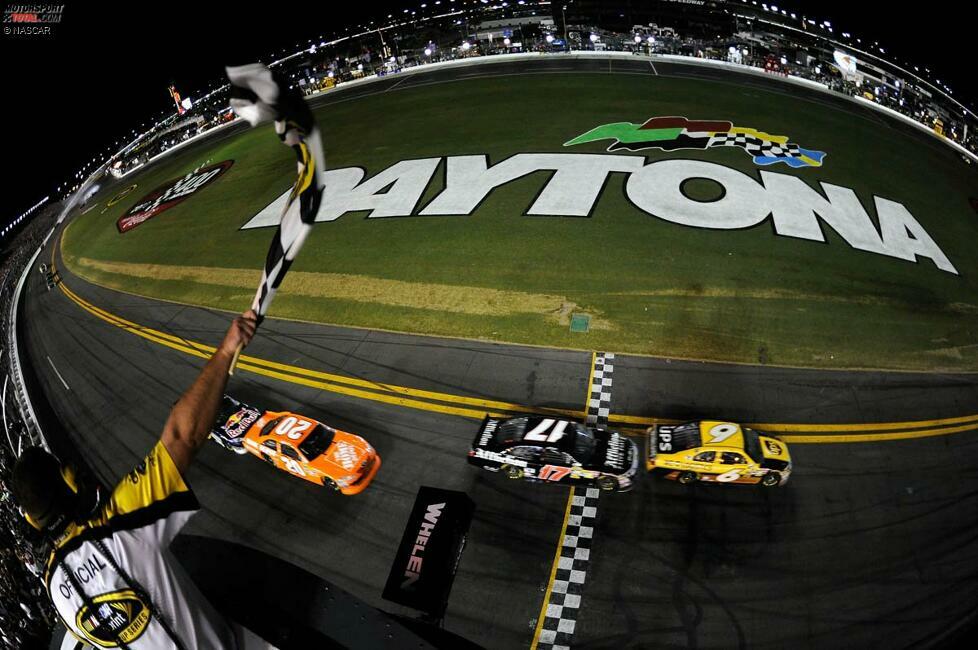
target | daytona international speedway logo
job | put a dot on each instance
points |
(672, 133)
(172, 193)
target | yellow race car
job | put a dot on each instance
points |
(720, 452)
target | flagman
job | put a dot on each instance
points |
(110, 575)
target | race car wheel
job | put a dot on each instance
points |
(607, 483)
(329, 483)
(512, 471)
(687, 477)
(771, 479)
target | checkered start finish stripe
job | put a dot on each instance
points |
(564, 601)
(575, 554)
(599, 404)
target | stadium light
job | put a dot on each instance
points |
(549, 38)
(465, 45)
(651, 40)
(506, 41)
(638, 39)
(427, 51)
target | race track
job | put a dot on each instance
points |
(871, 543)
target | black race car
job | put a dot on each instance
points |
(549, 449)
(232, 422)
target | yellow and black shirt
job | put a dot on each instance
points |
(145, 512)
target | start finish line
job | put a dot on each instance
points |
(657, 188)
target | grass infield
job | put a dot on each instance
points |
(648, 285)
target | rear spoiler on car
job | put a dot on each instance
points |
(650, 439)
(480, 439)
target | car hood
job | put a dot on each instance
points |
(346, 454)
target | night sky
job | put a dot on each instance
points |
(106, 68)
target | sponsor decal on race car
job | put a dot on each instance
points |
(616, 454)
(171, 194)
(580, 472)
(345, 454)
(239, 423)
(487, 432)
(499, 458)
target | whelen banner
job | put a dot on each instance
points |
(428, 555)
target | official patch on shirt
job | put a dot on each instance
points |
(119, 615)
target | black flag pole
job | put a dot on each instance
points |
(257, 95)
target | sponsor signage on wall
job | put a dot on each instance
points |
(424, 567)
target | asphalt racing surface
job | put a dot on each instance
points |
(871, 543)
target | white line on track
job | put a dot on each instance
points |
(654, 71)
(63, 382)
(396, 84)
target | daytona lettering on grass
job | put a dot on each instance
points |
(658, 189)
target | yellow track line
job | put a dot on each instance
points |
(402, 395)
(179, 343)
(635, 420)
(878, 437)
(553, 571)
(877, 426)
(204, 351)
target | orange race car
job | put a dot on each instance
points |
(298, 445)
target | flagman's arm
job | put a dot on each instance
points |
(193, 415)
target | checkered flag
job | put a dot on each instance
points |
(258, 95)
(755, 146)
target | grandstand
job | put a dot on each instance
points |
(742, 33)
